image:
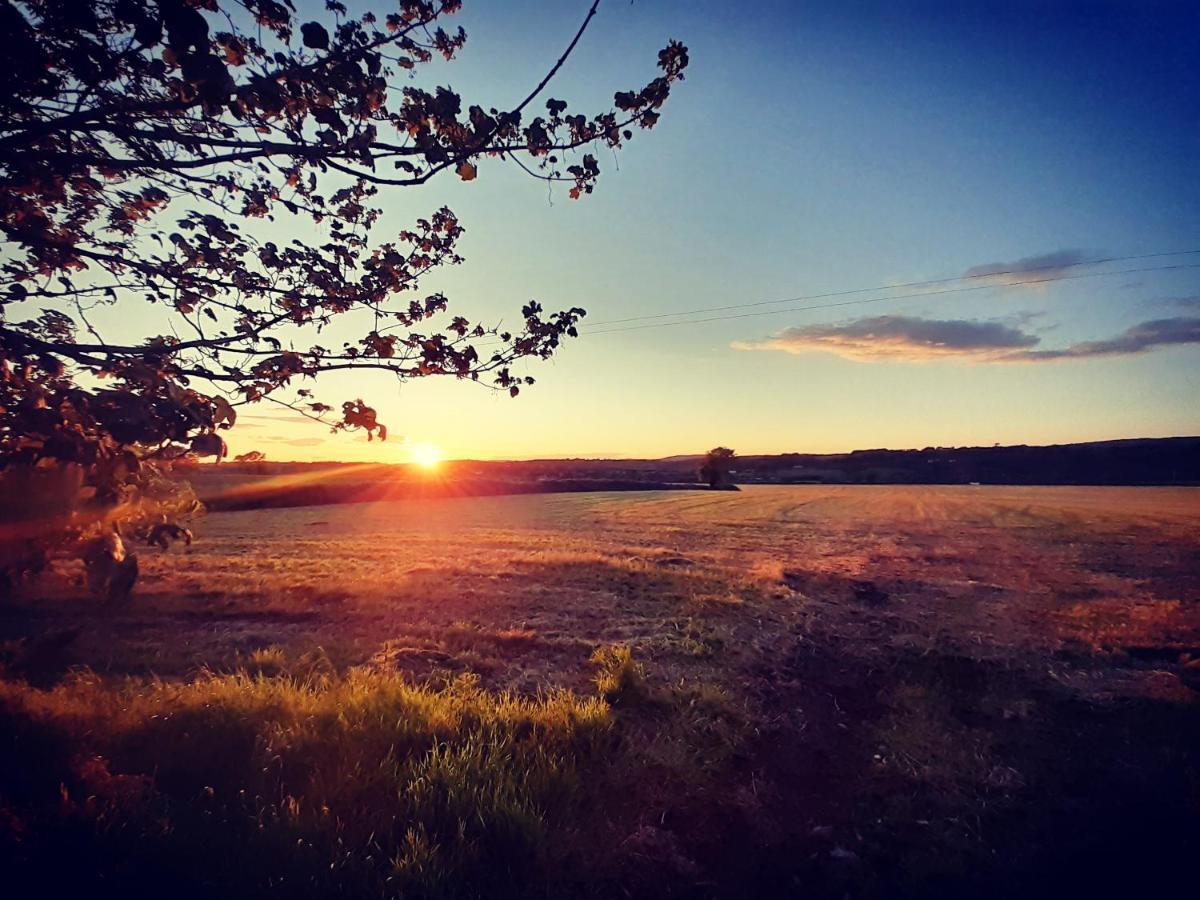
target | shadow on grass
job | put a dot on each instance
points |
(942, 776)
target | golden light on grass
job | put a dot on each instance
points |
(427, 456)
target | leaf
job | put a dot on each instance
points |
(235, 51)
(223, 412)
(315, 35)
(466, 171)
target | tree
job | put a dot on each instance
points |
(252, 457)
(715, 467)
(144, 149)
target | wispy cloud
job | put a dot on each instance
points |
(911, 339)
(1138, 339)
(1048, 266)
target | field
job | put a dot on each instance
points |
(811, 691)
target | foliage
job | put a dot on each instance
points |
(146, 148)
(56, 507)
(715, 467)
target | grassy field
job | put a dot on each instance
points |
(812, 691)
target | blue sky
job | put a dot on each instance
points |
(814, 148)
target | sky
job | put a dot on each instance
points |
(819, 148)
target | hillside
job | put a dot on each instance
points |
(1145, 461)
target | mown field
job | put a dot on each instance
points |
(801, 691)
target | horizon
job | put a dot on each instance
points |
(700, 454)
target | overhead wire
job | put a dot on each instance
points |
(879, 299)
(991, 274)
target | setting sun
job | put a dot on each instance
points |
(425, 455)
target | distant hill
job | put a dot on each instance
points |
(1147, 461)
(1138, 461)
(1144, 461)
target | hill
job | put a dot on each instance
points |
(1145, 461)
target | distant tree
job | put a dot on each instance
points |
(143, 147)
(252, 456)
(715, 467)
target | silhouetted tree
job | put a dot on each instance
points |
(142, 147)
(714, 469)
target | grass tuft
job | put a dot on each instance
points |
(620, 679)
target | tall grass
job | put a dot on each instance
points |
(300, 785)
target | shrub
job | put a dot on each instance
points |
(53, 509)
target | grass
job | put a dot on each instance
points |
(314, 784)
(307, 781)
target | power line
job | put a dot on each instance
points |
(957, 290)
(901, 286)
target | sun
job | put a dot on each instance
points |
(427, 456)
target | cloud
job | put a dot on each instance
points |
(1138, 339)
(1048, 266)
(910, 339)
(902, 338)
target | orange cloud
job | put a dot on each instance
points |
(900, 338)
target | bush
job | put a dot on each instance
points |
(53, 509)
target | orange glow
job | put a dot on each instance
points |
(427, 456)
